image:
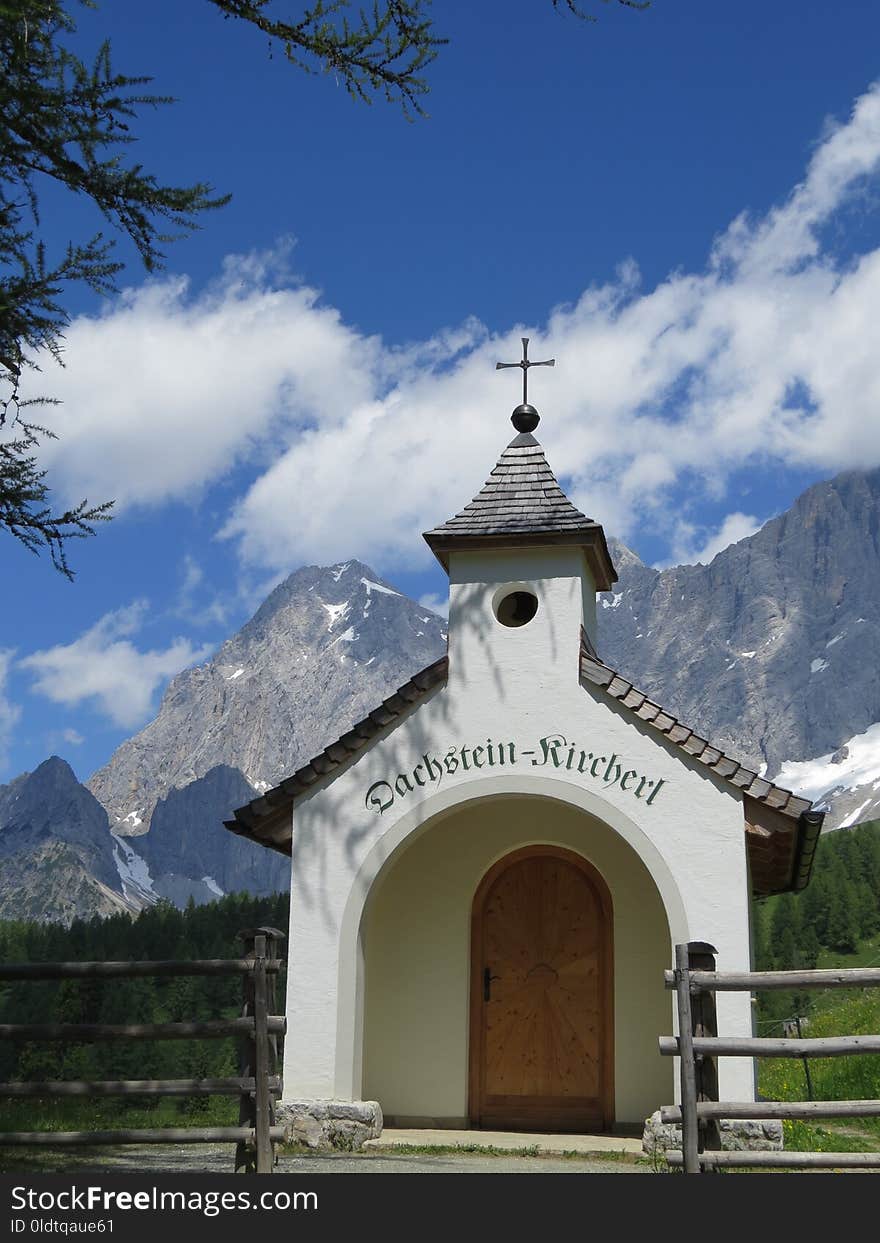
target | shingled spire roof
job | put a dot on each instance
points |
(522, 503)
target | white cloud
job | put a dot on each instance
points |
(766, 356)
(193, 575)
(190, 603)
(103, 666)
(176, 389)
(57, 739)
(9, 712)
(437, 604)
(693, 547)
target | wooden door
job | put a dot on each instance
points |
(541, 1024)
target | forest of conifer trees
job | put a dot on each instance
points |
(837, 912)
(160, 932)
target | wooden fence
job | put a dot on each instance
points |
(698, 1044)
(258, 1031)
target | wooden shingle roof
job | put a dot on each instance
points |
(520, 495)
(522, 503)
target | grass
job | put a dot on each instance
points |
(867, 955)
(110, 1113)
(832, 1135)
(834, 1012)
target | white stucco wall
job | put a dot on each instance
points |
(508, 690)
(417, 939)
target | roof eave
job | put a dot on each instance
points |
(266, 833)
(810, 828)
(781, 847)
(590, 539)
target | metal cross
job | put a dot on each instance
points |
(525, 364)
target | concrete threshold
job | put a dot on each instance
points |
(509, 1141)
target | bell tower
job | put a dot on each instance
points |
(524, 568)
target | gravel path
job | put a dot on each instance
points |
(217, 1159)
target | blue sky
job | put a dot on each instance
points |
(680, 204)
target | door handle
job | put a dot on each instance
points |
(488, 977)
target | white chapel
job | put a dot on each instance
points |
(490, 871)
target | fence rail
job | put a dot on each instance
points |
(758, 981)
(231, 1086)
(698, 1046)
(131, 970)
(258, 1030)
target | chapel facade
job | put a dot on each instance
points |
(490, 871)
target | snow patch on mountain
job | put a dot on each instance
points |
(855, 764)
(335, 611)
(134, 875)
(213, 886)
(371, 586)
(853, 817)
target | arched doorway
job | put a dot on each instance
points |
(541, 1030)
(415, 937)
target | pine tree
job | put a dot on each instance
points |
(816, 903)
(69, 123)
(842, 934)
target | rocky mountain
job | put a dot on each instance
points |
(772, 650)
(59, 858)
(56, 850)
(324, 648)
(189, 855)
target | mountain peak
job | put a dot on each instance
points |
(55, 768)
(327, 645)
(332, 583)
(624, 557)
(57, 855)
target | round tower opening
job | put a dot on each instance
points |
(515, 606)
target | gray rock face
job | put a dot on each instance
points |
(773, 650)
(56, 853)
(188, 852)
(323, 649)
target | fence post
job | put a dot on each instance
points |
(806, 1062)
(258, 1053)
(705, 1023)
(689, 1135)
(274, 937)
